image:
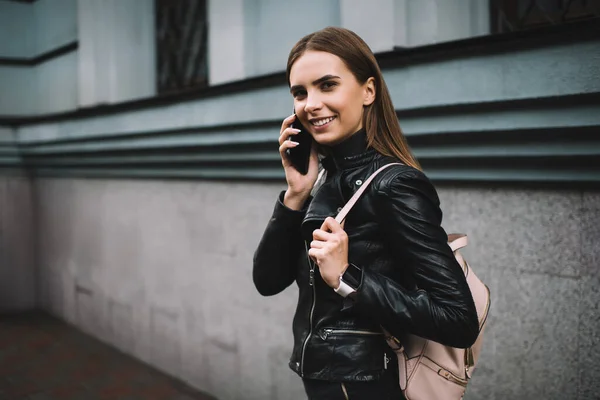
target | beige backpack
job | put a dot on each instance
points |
(429, 370)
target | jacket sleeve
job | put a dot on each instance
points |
(278, 250)
(442, 307)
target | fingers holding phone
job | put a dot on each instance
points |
(286, 140)
(299, 158)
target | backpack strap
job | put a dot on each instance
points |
(457, 241)
(346, 209)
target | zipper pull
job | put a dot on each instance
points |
(469, 361)
(311, 279)
(386, 360)
(324, 333)
(470, 357)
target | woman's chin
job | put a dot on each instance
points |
(326, 139)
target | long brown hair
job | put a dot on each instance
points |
(379, 118)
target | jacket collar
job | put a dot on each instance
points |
(352, 152)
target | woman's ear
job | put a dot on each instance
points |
(370, 92)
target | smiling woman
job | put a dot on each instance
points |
(336, 66)
(388, 264)
(328, 99)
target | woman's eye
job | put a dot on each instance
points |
(299, 93)
(327, 85)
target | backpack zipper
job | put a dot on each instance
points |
(452, 378)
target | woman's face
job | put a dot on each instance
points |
(328, 99)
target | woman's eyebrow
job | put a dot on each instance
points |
(325, 78)
(320, 80)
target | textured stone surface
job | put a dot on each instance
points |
(254, 344)
(223, 367)
(535, 319)
(480, 387)
(165, 339)
(589, 339)
(17, 272)
(530, 230)
(121, 325)
(590, 234)
(179, 256)
(288, 386)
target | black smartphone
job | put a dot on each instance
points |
(300, 155)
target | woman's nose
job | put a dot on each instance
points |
(313, 103)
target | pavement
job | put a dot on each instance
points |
(44, 358)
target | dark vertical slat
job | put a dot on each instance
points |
(181, 45)
(514, 15)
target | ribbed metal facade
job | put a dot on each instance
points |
(517, 111)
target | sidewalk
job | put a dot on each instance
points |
(42, 358)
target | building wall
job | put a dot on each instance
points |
(248, 39)
(488, 105)
(29, 31)
(55, 24)
(12, 16)
(162, 270)
(116, 51)
(114, 57)
(17, 230)
(18, 280)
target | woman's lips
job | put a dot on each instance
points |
(320, 120)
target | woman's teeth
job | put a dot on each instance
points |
(322, 122)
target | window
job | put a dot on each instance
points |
(513, 15)
(181, 29)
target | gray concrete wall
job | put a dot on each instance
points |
(162, 270)
(17, 259)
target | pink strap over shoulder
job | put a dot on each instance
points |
(346, 209)
(455, 240)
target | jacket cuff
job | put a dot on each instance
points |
(367, 286)
(282, 211)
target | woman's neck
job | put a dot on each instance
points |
(353, 145)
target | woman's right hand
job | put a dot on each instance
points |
(299, 186)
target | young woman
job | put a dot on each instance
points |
(389, 265)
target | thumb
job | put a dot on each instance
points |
(331, 225)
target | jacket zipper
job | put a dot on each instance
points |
(311, 282)
(326, 332)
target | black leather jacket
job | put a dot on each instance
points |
(411, 281)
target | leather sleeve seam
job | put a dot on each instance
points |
(383, 186)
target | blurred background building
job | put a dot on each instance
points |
(139, 166)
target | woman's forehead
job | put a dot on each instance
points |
(313, 65)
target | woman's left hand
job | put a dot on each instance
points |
(329, 249)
